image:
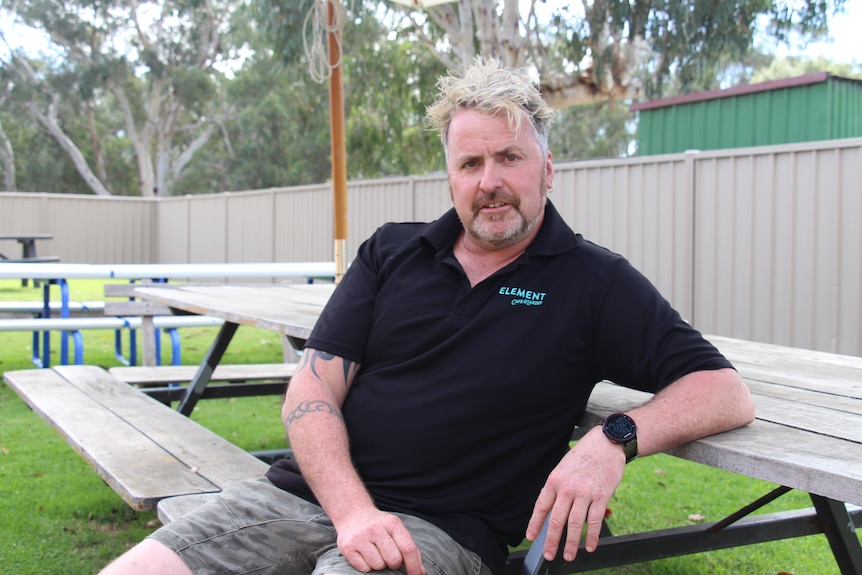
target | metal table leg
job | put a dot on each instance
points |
(202, 378)
(840, 531)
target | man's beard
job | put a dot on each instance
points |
(488, 230)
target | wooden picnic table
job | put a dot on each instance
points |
(807, 435)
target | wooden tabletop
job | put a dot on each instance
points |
(287, 309)
(808, 432)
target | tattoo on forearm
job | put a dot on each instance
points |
(314, 406)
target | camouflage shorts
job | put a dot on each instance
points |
(255, 527)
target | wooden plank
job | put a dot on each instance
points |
(209, 455)
(126, 289)
(133, 465)
(805, 396)
(124, 308)
(764, 450)
(809, 418)
(826, 378)
(272, 308)
(225, 372)
(771, 355)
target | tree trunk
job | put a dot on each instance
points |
(96, 145)
(7, 155)
(50, 123)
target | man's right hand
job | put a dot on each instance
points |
(376, 540)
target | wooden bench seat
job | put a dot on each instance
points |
(142, 449)
(230, 373)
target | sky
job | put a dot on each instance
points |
(845, 45)
(846, 39)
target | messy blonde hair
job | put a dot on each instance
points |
(490, 88)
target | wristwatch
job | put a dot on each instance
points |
(620, 428)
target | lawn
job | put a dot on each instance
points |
(58, 516)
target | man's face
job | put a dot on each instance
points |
(498, 180)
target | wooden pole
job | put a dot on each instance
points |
(339, 153)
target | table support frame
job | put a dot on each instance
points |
(832, 518)
(202, 378)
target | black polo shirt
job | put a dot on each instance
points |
(466, 398)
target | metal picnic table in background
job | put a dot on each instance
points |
(28, 251)
(59, 274)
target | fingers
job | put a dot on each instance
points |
(409, 551)
(570, 514)
(389, 547)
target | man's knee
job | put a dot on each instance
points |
(148, 557)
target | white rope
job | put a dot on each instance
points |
(316, 49)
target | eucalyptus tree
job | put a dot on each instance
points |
(147, 69)
(606, 49)
(280, 133)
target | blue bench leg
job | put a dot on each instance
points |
(118, 347)
(176, 349)
(64, 312)
(79, 347)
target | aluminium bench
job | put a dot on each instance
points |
(74, 326)
(37, 308)
(119, 316)
(29, 260)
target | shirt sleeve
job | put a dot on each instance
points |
(641, 341)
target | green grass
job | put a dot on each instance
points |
(58, 516)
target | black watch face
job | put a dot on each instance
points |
(620, 427)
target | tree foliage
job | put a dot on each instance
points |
(606, 49)
(153, 62)
(142, 97)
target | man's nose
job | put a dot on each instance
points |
(491, 179)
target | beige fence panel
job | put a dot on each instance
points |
(86, 229)
(778, 249)
(303, 224)
(173, 239)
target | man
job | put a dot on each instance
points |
(431, 411)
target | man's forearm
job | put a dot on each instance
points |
(317, 434)
(697, 405)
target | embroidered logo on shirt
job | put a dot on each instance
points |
(521, 296)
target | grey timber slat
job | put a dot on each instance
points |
(183, 438)
(289, 310)
(156, 375)
(135, 466)
(143, 450)
(783, 454)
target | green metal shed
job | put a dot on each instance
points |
(816, 106)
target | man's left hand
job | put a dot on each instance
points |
(577, 493)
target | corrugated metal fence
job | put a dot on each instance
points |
(759, 243)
